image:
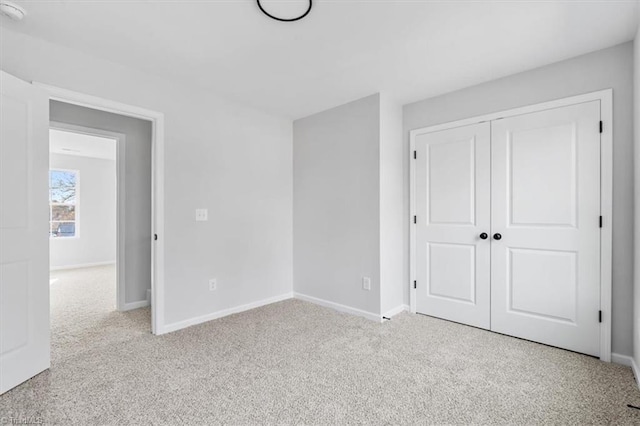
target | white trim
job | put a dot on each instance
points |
(223, 313)
(606, 233)
(134, 305)
(90, 101)
(412, 225)
(338, 307)
(629, 362)
(81, 265)
(557, 103)
(622, 359)
(157, 178)
(606, 190)
(121, 224)
(395, 311)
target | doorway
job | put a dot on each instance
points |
(86, 193)
(96, 294)
(129, 214)
(156, 120)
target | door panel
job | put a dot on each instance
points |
(545, 192)
(451, 182)
(541, 159)
(451, 271)
(452, 207)
(537, 273)
(24, 245)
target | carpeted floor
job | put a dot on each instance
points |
(297, 363)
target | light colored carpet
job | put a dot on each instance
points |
(297, 363)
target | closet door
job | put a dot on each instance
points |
(545, 193)
(452, 224)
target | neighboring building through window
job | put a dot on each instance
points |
(63, 203)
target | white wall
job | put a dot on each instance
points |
(233, 160)
(348, 205)
(608, 68)
(336, 204)
(96, 213)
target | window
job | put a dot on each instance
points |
(63, 201)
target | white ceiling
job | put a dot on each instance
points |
(344, 49)
(70, 143)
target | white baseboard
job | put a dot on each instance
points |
(622, 359)
(395, 311)
(81, 265)
(629, 362)
(339, 307)
(168, 328)
(135, 305)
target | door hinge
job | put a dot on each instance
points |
(601, 126)
(415, 219)
(415, 284)
(415, 155)
(155, 237)
(599, 316)
(600, 222)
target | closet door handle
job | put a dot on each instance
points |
(497, 236)
(484, 236)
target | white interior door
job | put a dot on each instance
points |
(24, 245)
(545, 191)
(453, 212)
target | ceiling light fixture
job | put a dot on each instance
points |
(286, 19)
(12, 10)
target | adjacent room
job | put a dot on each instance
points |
(88, 251)
(82, 253)
(320, 212)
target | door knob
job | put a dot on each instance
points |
(484, 236)
(497, 236)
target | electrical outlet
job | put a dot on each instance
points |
(202, 215)
(366, 283)
(213, 284)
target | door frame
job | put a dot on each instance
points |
(606, 194)
(157, 183)
(120, 140)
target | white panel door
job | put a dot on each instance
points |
(453, 208)
(545, 192)
(24, 245)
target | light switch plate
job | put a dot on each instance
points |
(366, 283)
(202, 215)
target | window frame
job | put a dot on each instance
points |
(76, 205)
